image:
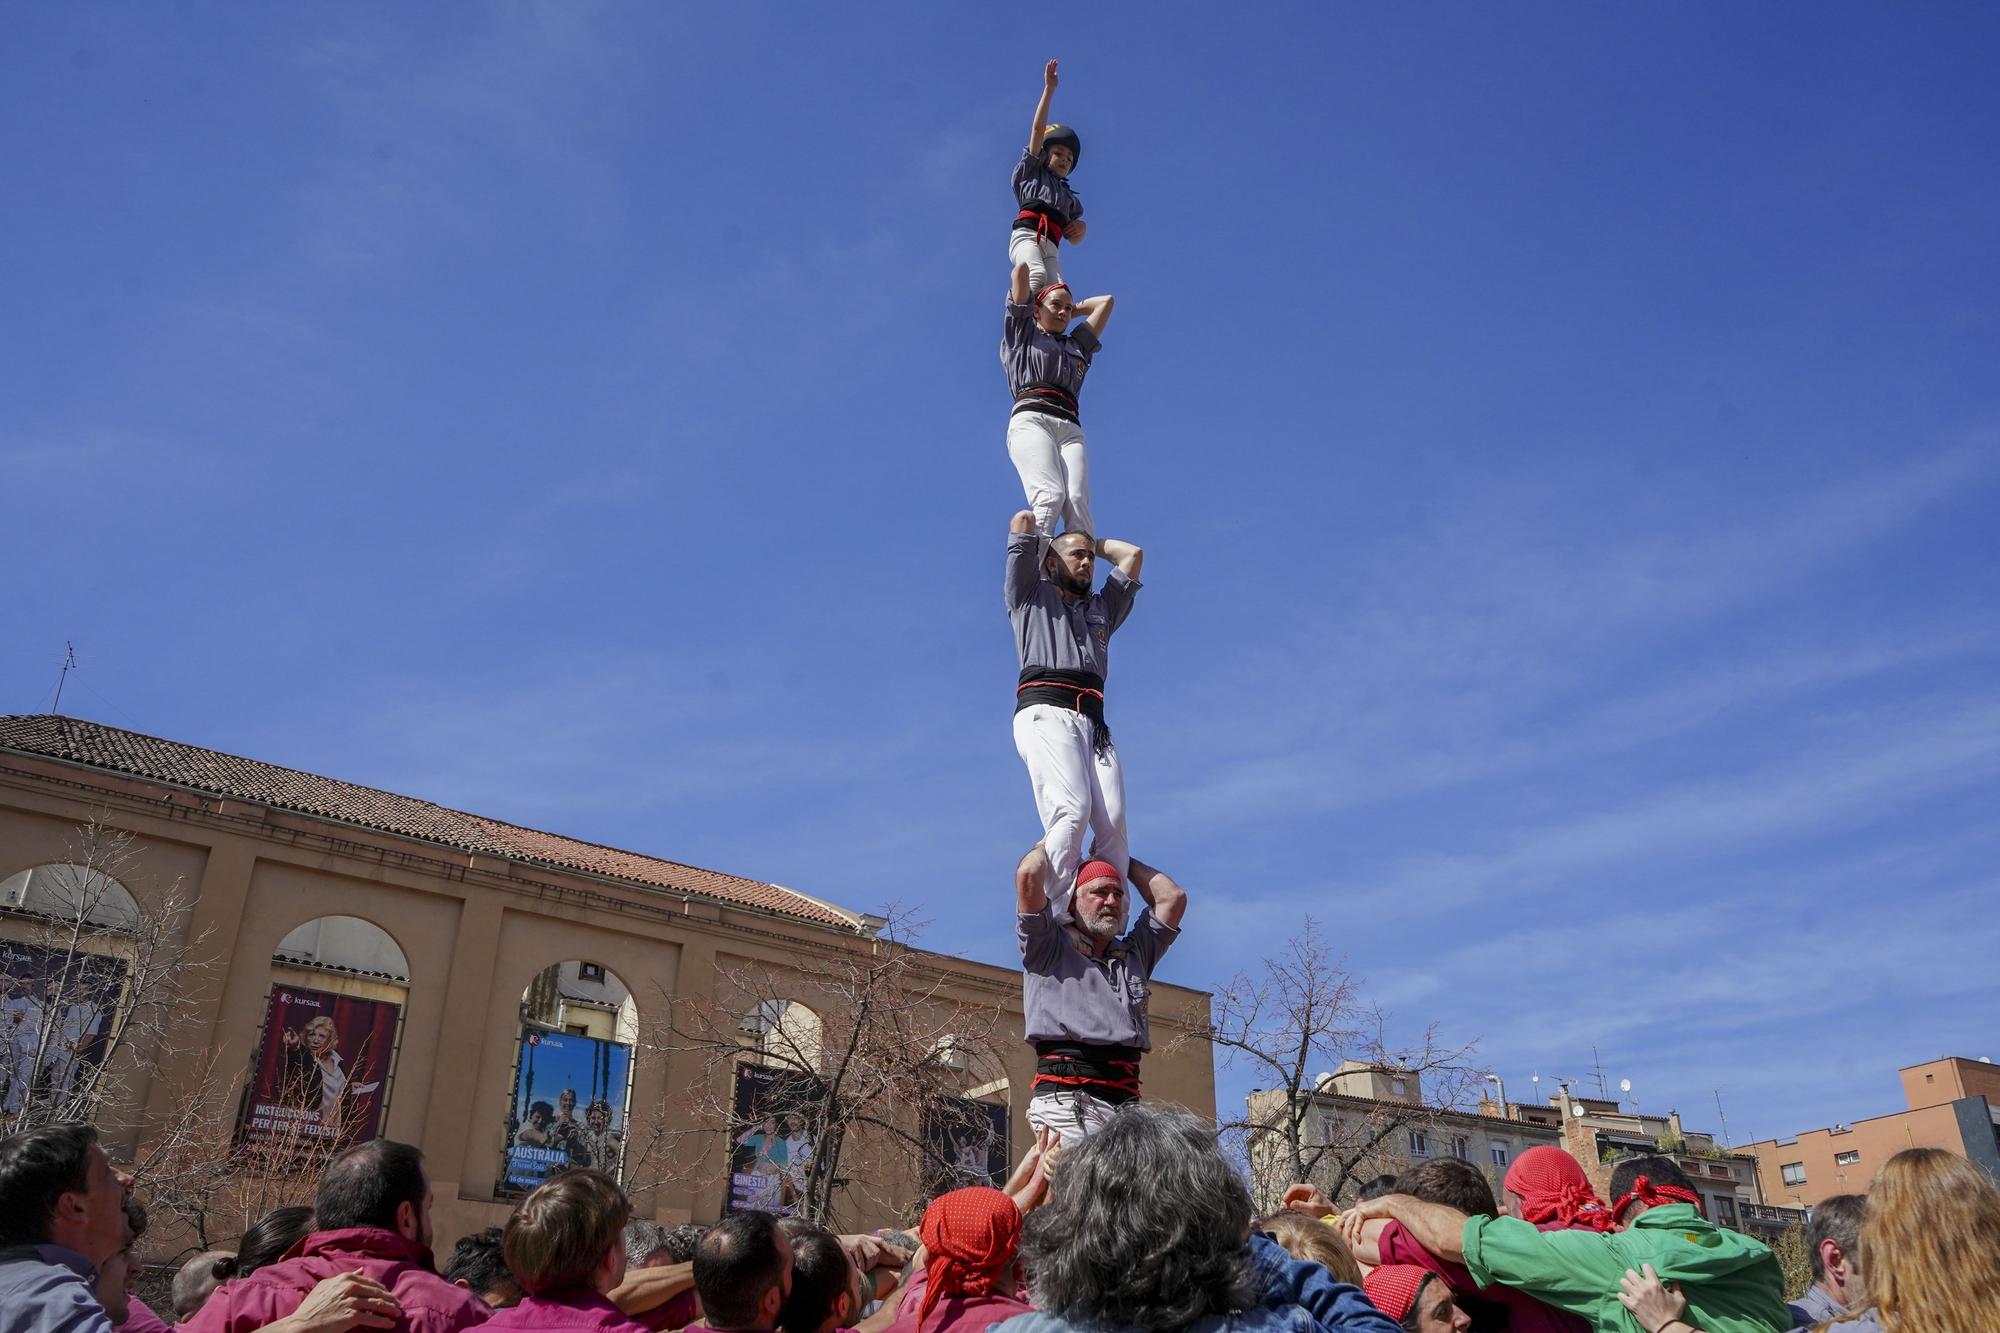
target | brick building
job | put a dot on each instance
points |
(473, 942)
(1952, 1103)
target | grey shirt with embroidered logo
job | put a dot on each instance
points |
(1050, 630)
(1068, 995)
(1032, 355)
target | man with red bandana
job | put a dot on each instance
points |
(967, 1276)
(1085, 987)
(1732, 1283)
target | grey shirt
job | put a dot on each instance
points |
(49, 1289)
(1049, 629)
(1068, 995)
(1815, 1307)
(1035, 186)
(1033, 355)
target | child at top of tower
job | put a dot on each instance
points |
(1050, 211)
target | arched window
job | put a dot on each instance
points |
(345, 944)
(784, 1034)
(326, 1051)
(572, 1075)
(71, 893)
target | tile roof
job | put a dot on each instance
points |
(250, 780)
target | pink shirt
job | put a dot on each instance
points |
(953, 1314)
(564, 1312)
(430, 1304)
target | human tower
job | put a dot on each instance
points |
(1084, 976)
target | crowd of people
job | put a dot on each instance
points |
(1144, 1225)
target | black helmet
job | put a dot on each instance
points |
(1063, 134)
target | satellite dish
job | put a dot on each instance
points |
(1624, 1085)
(1576, 1111)
(1534, 1078)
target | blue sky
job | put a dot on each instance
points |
(1565, 439)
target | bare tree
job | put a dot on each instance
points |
(100, 983)
(201, 1168)
(1300, 1016)
(849, 1045)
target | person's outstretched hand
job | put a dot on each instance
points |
(342, 1302)
(1654, 1303)
(1307, 1199)
(1049, 77)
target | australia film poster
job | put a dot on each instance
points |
(771, 1143)
(322, 1072)
(55, 1021)
(569, 1108)
(965, 1143)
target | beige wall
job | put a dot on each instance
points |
(475, 931)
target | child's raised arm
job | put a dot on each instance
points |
(1096, 312)
(1020, 292)
(1041, 125)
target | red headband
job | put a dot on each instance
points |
(1394, 1288)
(1646, 1192)
(1092, 871)
(1052, 287)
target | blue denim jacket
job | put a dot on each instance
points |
(1293, 1297)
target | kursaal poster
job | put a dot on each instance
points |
(569, 1108)
(771, 1143)
(322, 1072)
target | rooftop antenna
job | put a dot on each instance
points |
(1723, 1118)
(1598, 1065)
(69, 665)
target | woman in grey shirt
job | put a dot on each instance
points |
(1046, 361)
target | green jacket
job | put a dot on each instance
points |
(1732, 1282)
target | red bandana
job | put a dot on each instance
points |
(1555, 1194)
(1646, 1192)
(970, 1235)
(1092, 871)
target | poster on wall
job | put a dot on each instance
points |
(965, 1143)
(322, 1072)
(55, 1021)
(771, 1144)
(568, 1109)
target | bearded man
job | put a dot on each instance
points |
(1062, 635)
(1085, 987)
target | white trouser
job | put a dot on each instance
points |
(1048, 453)
(1074, 789)
(20, 1057)
(1044, 265)
(1074, 1115)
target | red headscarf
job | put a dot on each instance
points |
(969, 1236)
(1646, 1192)
(1555, 1194)
(1393, 1288)
(1092, 871)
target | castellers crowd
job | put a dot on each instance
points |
(1144, 1224)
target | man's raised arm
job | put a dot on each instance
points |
(1024, 559)
(1167, 899)
(1031, 878)
(1125, 555)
